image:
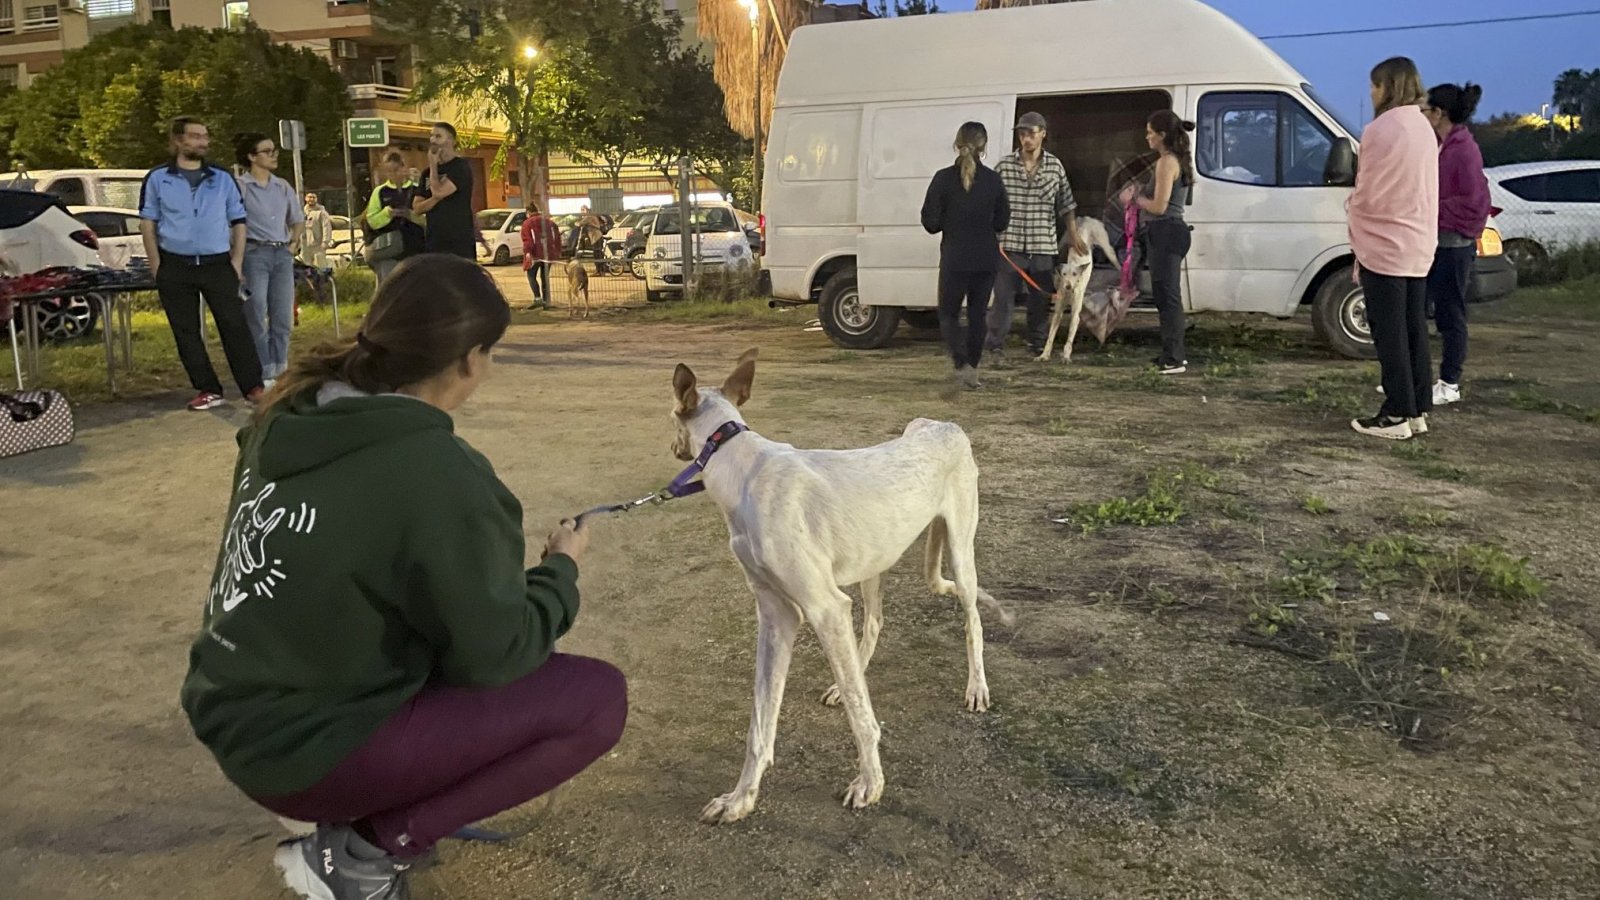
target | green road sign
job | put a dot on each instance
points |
(366, 132)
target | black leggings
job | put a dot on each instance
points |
(1397, 312)
(1169, 244)
(974, 288)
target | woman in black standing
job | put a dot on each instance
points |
(967, 204)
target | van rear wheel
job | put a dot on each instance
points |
(849, 322)
(1339, 316)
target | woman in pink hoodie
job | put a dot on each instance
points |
(1394, 230)
(1463, 212)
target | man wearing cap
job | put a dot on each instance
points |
(1041, 197)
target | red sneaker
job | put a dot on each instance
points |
(254, 397)
(205, 400)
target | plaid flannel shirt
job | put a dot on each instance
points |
(1037, 203)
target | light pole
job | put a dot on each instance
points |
(530, 55)
(754, 8)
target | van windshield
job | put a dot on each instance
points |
(1328, 108)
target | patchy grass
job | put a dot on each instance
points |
(1346, 392)
(78, 368)
(1573, 299)
(712, 310)
(1391, 668)
(1426, 461)
(1531, 400)
(1315, 505)
(1162, 502)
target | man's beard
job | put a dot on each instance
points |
(194, 155)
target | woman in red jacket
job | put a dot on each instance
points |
(1463, 213)
(541, 243)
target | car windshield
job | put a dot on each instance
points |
(706, 221)
(629, 219)
(491, 219)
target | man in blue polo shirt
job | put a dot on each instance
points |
(193, 224)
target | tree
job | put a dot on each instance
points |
(1577, 93)
(907, 8)
(625, 102)
(686, 119)
(107, 103)
(569, 95)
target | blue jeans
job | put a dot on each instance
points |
(269, 277)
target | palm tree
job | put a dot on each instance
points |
(727, 24)
(1577, 93)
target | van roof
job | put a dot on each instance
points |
(1093, 44)
(37, 174)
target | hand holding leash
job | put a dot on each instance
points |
(570, 538)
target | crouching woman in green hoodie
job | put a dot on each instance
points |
(375, 657)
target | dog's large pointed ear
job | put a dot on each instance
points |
(684, 388)
(737, 387)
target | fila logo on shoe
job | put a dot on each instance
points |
(327, 861)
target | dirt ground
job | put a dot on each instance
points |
(1197, 704)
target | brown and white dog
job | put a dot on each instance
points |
(1072, 280)
(804, 523)
(577, 286)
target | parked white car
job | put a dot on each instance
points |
(117, 231)
(865, 113)
(1546, 206)
(37, 232)
(501, 230)
(720, 243)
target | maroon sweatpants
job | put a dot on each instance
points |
(453, 756)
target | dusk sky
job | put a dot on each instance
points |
(1515, 62)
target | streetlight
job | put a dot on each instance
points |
(753, 7)
(529, 52)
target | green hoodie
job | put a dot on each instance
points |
(368, 551)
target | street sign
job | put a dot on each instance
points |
(366, 132)
(292, 137)
(291, 134)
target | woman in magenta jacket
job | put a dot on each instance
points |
(1394, 230)
(1463, 212)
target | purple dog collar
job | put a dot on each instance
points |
(685, 484)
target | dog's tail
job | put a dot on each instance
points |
(933, 569)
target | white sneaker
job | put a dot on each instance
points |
(1382, 427)
(1445, 393)
(1419, 425)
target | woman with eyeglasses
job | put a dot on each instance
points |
(274, 228)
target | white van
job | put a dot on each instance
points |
(866, 112)
(116, 188)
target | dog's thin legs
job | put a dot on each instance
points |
(777, 623)
(832, 624)
(962, 534)
(1078, 291)
(871, 624)
(1060, 299)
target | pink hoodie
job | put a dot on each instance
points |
(1394, 210)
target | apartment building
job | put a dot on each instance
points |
(375, 63)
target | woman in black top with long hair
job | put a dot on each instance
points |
(967, 204)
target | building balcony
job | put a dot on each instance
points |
(395, 104)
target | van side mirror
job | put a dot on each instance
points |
(1341, 168)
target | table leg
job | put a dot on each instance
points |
(16, 352)
(30, 330)
(125, 318)
(108, 325)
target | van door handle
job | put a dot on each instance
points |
(1544, 212)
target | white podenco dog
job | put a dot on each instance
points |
(803, 523)
(1072, 277)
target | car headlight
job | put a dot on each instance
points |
(661, 253)
(735, 250)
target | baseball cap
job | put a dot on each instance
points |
(1030, 120)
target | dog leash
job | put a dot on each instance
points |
(1018, 269)
(685, 485)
